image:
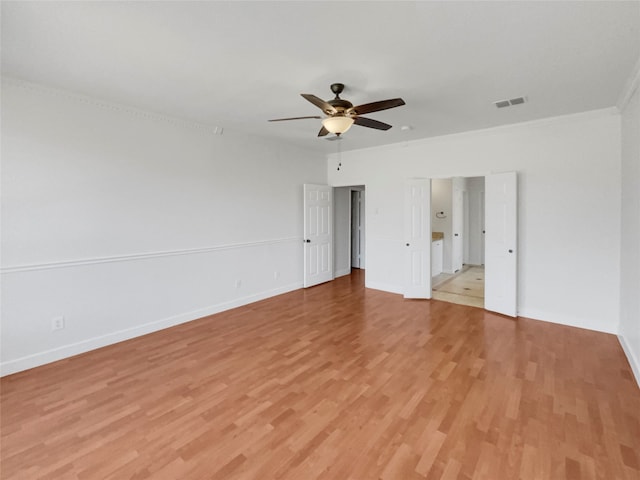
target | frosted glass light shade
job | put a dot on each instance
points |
(338, 124)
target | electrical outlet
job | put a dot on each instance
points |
(276, 275)
(57, 323)
(238, 283)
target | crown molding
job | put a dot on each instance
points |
(107, 105)
(630, 87)
(559, 119)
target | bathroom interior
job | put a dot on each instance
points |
(457, 248)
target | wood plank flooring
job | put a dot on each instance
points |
(335, 383)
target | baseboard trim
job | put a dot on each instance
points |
(633, 361)
(533, 315)
(385, 287)
(563, 320)
(66, 351)
(342, 272)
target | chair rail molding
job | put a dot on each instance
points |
(142, 256)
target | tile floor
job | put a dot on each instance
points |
(464, 288)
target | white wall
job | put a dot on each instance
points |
(569, 208)
(630, 246)
(126, 222)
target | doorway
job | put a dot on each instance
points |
(357, 228)
(349, 229)
(458, 240)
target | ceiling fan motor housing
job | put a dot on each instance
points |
(340, 105)
(337, 88)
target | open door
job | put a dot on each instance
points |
(457, 221)
(417, 227)
(318, 234)
(357, 229)
(501, 225)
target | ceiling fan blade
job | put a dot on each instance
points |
(321, 104)
(377, 106)
(323, 131)
(292, 118)
(367, 122)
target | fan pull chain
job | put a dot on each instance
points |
(339, 154)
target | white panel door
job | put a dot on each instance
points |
(417, 226)
(356, 230)
(482, 228)
(501, 222)
(318, 234)
(457, 221)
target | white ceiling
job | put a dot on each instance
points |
(236, 64)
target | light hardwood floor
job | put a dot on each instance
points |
(335, 382)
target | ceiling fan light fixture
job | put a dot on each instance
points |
(337, 124)
(341, 114)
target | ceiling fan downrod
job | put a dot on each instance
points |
(337, 88)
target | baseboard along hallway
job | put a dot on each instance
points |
(332, 382)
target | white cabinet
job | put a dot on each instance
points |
(436, 257)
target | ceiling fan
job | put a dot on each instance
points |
(341, 114)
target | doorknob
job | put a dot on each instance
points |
(308, 241)
(407, 244)
(455, 234)
(510, 251)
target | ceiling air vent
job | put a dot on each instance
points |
(508, 103)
